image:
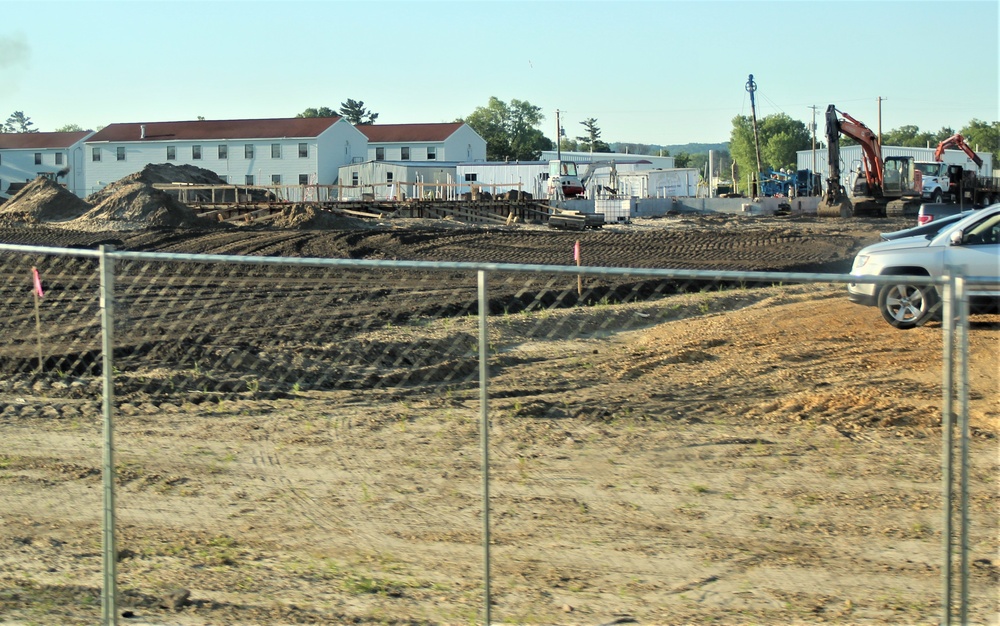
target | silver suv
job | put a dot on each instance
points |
(972, 244)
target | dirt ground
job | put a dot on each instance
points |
(740, 455)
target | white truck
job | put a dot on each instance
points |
(953, 182)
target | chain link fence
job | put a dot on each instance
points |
(332, 441)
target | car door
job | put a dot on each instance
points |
(977, 252)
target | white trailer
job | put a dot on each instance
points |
(501, 177)
(659, 183)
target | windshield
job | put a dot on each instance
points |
(928, 169)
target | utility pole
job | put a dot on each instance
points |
(813, 173)
(880, 99)
(558, 138)
(752, 87)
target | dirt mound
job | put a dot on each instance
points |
(308, 217)
(134, 199)
(42, 200)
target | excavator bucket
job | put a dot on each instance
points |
(835, 208)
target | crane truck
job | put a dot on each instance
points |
(884, 186)
(957, 183)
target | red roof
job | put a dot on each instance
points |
(40, 141)
(296, 127)
(393, 133)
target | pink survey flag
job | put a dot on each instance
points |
(576, 252)
(38, 282)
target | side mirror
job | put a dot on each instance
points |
(956, 238)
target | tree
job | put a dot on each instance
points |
(354, 111)
(69, 128)
(682, 159)
(320, 112)
(780, 136)
(591, 141)
(983, 136)
(18, 122)
(509, 130)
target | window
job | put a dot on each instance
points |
(275, 179)
(388, 177)
(471, 177)
(432, 154)
(59, 157)
(404, 153)
(223, 151)
(303, 179)
(120, 153)
(248, 150)
(380, 154)
(38, 158)
(249, 179)
(303, 150)
(195, 152)
(275, 150)
(354, 179)
(95, 154)
(171, 153)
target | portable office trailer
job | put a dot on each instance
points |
(659, 183)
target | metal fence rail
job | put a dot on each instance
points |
(272, 440)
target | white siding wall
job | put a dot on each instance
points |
(465, 145)
(500, 177)
(331, 149)
(418, 150)
(338, 146)
(18, 166)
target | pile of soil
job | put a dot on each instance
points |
(134, 199)
(42, 200)
(309, 217)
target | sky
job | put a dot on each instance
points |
(659, 72)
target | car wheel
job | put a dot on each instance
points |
(938, 196)
(907, 306)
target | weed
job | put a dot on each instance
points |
(699, 488)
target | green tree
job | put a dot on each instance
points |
(682, 159)
(569, 145)
(509, 130)
(354, 111)
(320, 112)
(780, 138)
(18, 122)
(984, 136)
(69, 128)
(591, 140)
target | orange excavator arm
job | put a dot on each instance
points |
(873, 166)
(957, 141)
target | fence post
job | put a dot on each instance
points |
(109, 560)
(484, 438)
(962, 313)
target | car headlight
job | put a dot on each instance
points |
(860, 261)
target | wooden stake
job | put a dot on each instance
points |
(38, 330)
(579, 278)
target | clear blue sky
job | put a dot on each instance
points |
(653, 71)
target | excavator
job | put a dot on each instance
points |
(886, 187)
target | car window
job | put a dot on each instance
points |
(986, 232)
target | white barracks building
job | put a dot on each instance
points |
(286, 151)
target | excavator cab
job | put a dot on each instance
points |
(901, 178)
